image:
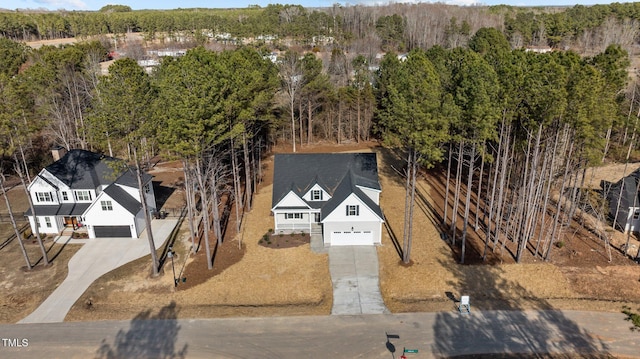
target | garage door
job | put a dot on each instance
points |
(112, 231)
(356, 238)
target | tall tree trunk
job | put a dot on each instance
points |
(489, 223)
(293, 123)
(188, 192)
(479, 191)
(309, 122)
(407, 202)
(13, 221)
(456, 197)
(501, 188)
(467, 202)
(19, 171)
(145, 209)
(204, 199)
(248, 190)
(236, 185)
(543, 227)
(446, 187)
(558, 219)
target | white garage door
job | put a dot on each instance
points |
(356, 238)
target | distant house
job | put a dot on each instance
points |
(333, 194)
(623, 198)
(538, 49)
(87, 189)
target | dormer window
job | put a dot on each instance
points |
(44, 197)
(316, 195)
(83, 195)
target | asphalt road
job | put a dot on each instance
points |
(365, 336)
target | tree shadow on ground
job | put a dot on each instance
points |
(149, 336)
(499, 322)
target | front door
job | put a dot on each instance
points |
(71, 221)
(316, 217)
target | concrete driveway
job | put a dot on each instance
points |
(356, 287)
(95, 258)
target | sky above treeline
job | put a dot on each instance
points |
(166, 4)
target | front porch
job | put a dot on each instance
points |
(287, 228)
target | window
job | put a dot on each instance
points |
(65, 196)
(147, 188)
(44, 197)
(83, 196)
(353, 210)
(38, 222)
(47, 220)
(106, 205)
(293, 215)
(636, 214)
(316, 195)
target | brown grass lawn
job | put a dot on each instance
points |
(251, 278)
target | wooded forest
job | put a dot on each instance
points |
(513, 128)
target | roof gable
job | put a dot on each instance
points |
(347, 188)
(121, 196)
(299, 172)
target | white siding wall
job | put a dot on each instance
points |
(374, 227)
(366, 220)
(56, 224)
(133, 192)
(40, 185)
(371, 193)
(119, 216)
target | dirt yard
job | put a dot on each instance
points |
(253, 276)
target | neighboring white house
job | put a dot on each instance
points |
(336, 194)
(87, 189)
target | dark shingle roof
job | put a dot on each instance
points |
(65, 209)
(346, 187)
(125, 199)
(337, 173)
(80, 169)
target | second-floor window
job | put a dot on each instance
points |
(65, 196)
(316, 195)
(106, 205)
(44, 197)
(353, 210)
(83, 196)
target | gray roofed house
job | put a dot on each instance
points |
(89, 191)
(624, 199)
(336, 194)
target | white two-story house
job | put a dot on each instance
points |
(91, 190)
(336, 194)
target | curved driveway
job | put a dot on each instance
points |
(96, 258)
